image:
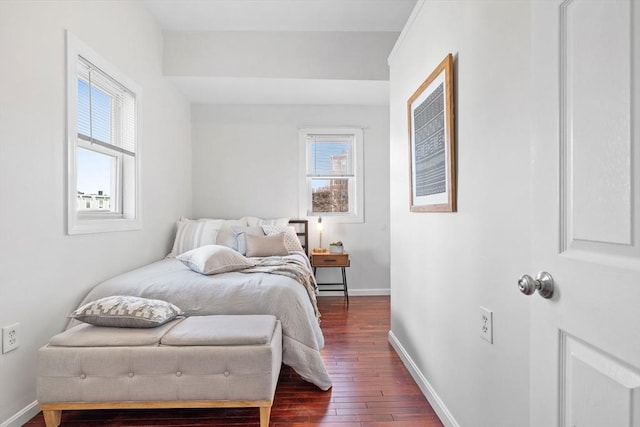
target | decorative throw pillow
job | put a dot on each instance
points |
(192, 234)
(214, 259)
(263, 246)
(240, 235)
(226, 235)
(291, 241)
(127, 312)
(253, 221)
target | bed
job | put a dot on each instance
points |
(281, 285)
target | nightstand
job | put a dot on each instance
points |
(327, 259)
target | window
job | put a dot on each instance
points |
(103, 154)
(331, 181)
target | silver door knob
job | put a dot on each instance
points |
(543, 283)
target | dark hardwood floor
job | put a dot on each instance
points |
(371, 386)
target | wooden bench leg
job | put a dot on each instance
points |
(52, 417)
(265, 414)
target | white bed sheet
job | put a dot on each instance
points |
(233, 293)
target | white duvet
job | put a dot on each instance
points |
(233, 293)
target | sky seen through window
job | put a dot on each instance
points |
(94, 168)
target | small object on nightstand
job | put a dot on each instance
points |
(336, 247)
(316, 251)
(325, 259)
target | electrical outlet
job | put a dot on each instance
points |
(10, 337)
(486, 325)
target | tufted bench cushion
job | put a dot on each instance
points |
(200, 361)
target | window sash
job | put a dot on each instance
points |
(350, 183)
(113, 119)
(330, 155)
(106, 145)
(116, 186)
(122, 114)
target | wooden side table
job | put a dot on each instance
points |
(327, 259)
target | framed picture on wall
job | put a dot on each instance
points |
(432, 142)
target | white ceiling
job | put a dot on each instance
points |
(281, 15)
(387, 16)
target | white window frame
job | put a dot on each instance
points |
(127, 215)
(356, 191)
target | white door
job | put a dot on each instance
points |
(585, 340)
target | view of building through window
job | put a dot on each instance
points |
(94, 176)
(94, 201)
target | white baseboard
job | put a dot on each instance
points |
(23, 416)
(357, 293)
(436, 402)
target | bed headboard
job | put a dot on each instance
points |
(302, 230)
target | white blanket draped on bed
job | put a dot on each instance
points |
(233, 293)
(294, 267)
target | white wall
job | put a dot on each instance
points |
(245, 162)
(339, 55)
(43, 271)
(444, 266)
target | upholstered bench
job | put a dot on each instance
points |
(197, 362)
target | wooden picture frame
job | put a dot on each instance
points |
(432, 157)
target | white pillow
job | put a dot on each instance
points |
(193, 234)
(291, 241)
(214, 259)
(252, 221)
